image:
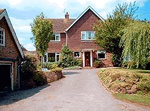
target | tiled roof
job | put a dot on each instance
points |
(60, 25)
(1, 10)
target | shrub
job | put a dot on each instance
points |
(57, 70)
(29, 66)
(144, 86)
(50, 65)
(66, 59)
(53, 66)
(39, 78)
(98, 63)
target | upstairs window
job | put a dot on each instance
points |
(2, 37)
(87, 35)
(101, 54)
(56, 37)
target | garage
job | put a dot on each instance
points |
(5, 77)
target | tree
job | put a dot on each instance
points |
(67, 59)
(136, 43)
(108, 31)
(43, 32)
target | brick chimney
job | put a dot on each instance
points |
(66, 15)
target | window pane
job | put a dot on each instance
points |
(0, 41)
(53, 37)
(83, 36)
(45, 58)
(0, 32)
(89, 35)
(57, 58)
(92, 35)
(51, 57)
(76, 54)
(0, 36)
(101, 55)
(57, 38)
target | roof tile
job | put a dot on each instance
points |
(59, 25)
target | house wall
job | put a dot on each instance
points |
(56, 46)
(10, 49)
(85, 23)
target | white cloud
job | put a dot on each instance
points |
(11, 2)
(21, 25)
(30, 47)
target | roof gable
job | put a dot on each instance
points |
(88, 8)
(3, 13)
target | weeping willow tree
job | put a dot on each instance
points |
(136, 43)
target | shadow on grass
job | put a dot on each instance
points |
(144, 71)
(11, 97)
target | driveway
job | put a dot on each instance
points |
(80, 90)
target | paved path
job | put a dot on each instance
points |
(79, 91)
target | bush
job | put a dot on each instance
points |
(144, 86)
(56, 70)
(66, 59)
(29, 66)
(51, 65)
(39, 78)
(98, 63)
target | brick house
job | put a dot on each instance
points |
(11, 54)
(78, 34)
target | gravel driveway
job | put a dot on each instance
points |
(79, 91)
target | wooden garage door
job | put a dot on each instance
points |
(5, 80)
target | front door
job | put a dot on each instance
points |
(87, 58)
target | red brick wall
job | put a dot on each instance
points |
(56, 46)
(10, 49)
(86, 23)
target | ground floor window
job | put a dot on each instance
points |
(101, 54)
(76, 54)
(51, 57)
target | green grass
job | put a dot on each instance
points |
(144, 100)
(142, 96)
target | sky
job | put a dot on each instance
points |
(22, 12)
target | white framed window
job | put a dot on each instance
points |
(87, 35)
(2, 37)
(56, 37)
(51, 57)
(101, 54)
(76, 54)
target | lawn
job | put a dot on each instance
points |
(127, 84)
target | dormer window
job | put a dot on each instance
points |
(2, 37)
(56, 37)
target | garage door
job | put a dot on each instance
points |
(5, 80)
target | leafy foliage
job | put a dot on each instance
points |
(66, 58)
(108, 31)
(30, 77)
(29, 66)
(136, 43)
(98, 63)
(42, 31)
(51, 65)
